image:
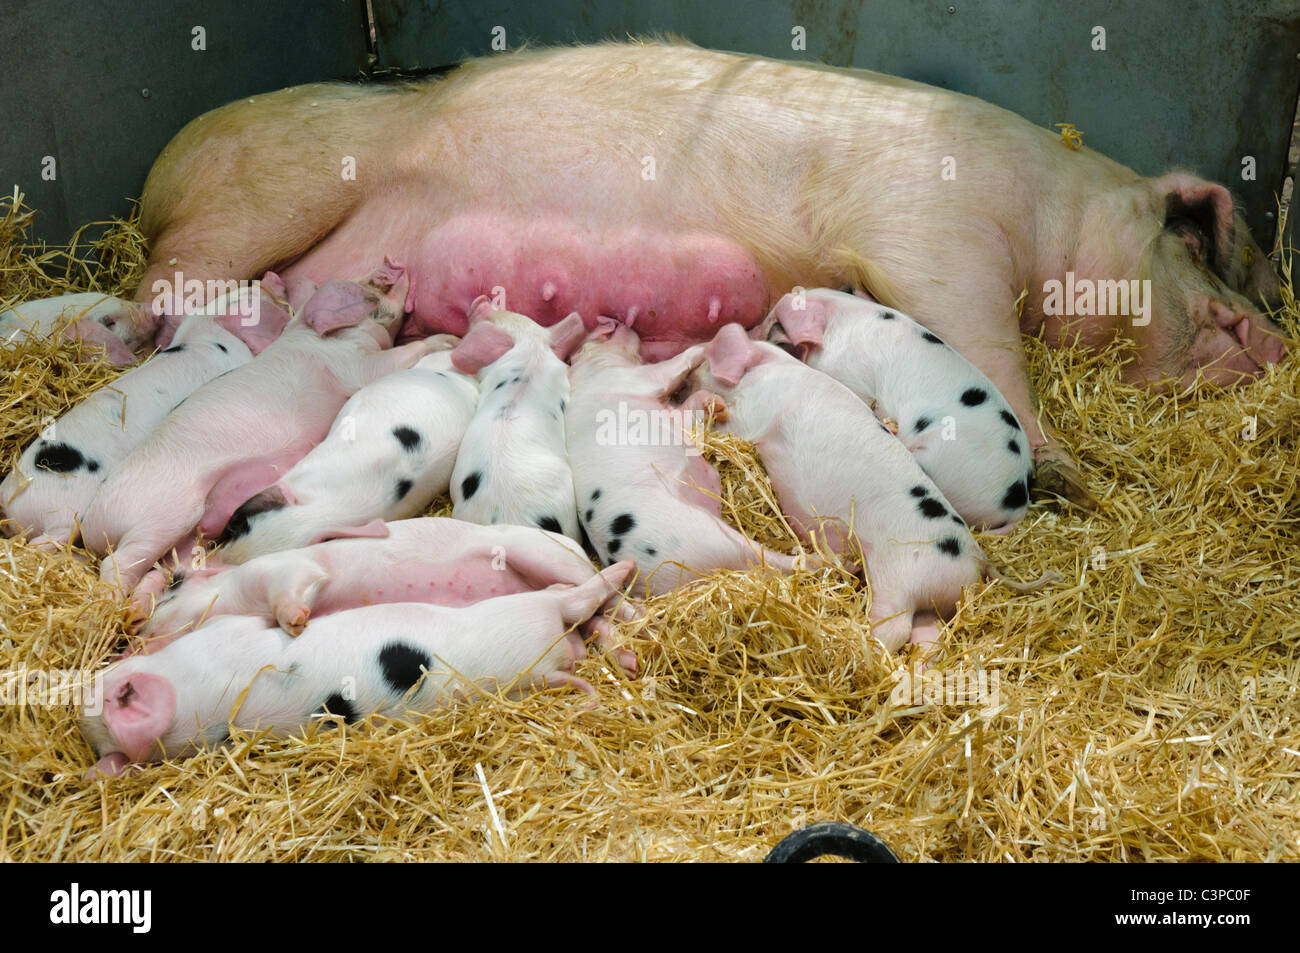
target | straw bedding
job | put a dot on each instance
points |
(1147, 708)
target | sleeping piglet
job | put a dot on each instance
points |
(644, 491)
(385, 659)
(389, 453)
(58, 475)
(838, 471)
(431, 559)
(512, 466)
(239, 433)
(948, 414)
(120, 327)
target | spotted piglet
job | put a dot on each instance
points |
(238, 433)
(513, 467)
(948, 414)
(58, 475)
(389, 453)
(443, 561)
(838, 471)
(644, 491)
(386, 659)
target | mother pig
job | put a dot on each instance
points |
(679, 188)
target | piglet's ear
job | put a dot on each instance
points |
(138, 711)
(730, 354)
(567, 335)
(480, 347)
(256, 323)
(803, 320)
(479, 309)
(375, 529)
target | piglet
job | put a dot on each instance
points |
(120, 327)
(388, 454)
(57, 476)
(388, 659)
(947, 413)
(840, 473)
(238, 434)
(512, 466)
(644, 491)
(443, 561)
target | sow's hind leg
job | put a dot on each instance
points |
(235, 193)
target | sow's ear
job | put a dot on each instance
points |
(137, 711)
(730, 354)
(1202, 212)
(482, 345)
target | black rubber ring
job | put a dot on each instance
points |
(832, 837)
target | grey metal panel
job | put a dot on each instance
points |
(75, 71)
(1198, 84)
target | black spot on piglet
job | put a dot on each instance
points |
(272, 498)
(174, 349)
(932, 338)
(921, 423)
(178, 577)
(336, 704)
(931, 508)
(623, 523)
(402, 665)
(1016, 496)
(403, 488)
(1013, 446)
(550, 523)
(595, 495)
(887, 315)
(407, 437)
(469, 486)
(974, 396)
(59, 458)
(220, 347)
(615, 545)
(950, 546)
(1009, 418)
(919, 491)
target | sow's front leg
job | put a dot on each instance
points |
(974, 310)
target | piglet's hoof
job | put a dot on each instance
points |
(1061, 479)
(832, 837)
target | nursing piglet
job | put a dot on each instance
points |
(512, 466)
(644, 491)
(443, 561)
(948, 414)
(240, 433)
(389, 453)
(386, 659)
(120, 327)
(840, 473)
(58, 475)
